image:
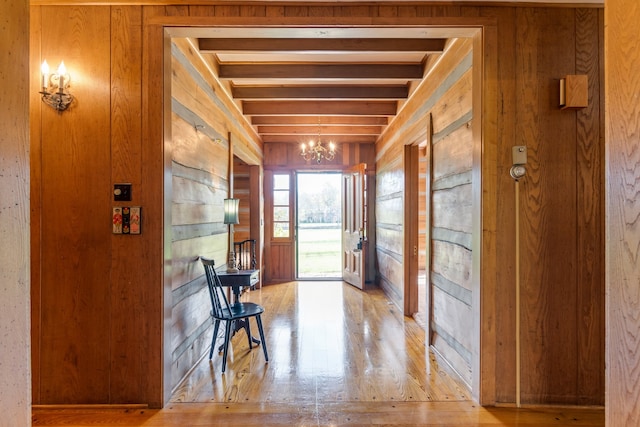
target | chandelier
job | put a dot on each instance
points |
(317, 151)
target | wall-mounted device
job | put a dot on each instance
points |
(122, 192)
(519, 157)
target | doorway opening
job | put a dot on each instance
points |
(318, 225)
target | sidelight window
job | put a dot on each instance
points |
(281, 205)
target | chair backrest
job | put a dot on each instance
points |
(219, 301)
(245, 253)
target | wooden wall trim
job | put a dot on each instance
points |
(35, 169)
(459, 26)
(484, 194)
(411, 217)
(159, 131)
(294, 3)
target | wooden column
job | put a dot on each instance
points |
(15, 388)
(622, 64)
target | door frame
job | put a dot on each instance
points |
(411, 228)
(296, 219)
(484, 33)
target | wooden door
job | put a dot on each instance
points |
(354, 225)
(279, 249)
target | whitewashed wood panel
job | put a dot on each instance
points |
(453, 262)
(453, 316)
(452, 208)
(389, 239)
(390, 210)
(453, 153)
(186, 265)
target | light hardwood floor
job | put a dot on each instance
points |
(337, 356)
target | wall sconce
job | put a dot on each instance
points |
(53, 87)
(231, 217)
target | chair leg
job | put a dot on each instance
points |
(262, 340)
(213, 339)
(247, 328)
(227, 335)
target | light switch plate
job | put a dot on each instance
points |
(122, 192)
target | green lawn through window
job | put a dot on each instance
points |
(319, 248)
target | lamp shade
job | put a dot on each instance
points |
(231, 210)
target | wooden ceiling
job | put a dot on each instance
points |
(345, 85)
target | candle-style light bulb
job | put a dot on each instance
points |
(332, 146)
(62, 71)
(44, 69)
(303, 146)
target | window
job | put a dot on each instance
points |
(281, 206)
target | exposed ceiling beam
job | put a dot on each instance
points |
(349, 108)
(316, 120)
(214, 45)
(341, 83)
(339, 139)
(321, 92)
(322, 71)
(322, 130)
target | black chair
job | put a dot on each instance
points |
(245, 254)
(237, 312)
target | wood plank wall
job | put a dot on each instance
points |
(623, 175)
(561, 206)
(74, 168)
(114, 134)
(447, 99)
(451, 232)
(200, 168)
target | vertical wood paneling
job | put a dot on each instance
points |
(504, 204)
(155, 163)
(285, 155)
(127, 380)
(35, 163)
(76, 228)
(623, 235)
(485, 225)
(590, 218)
(531, 57)
(549, 294)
